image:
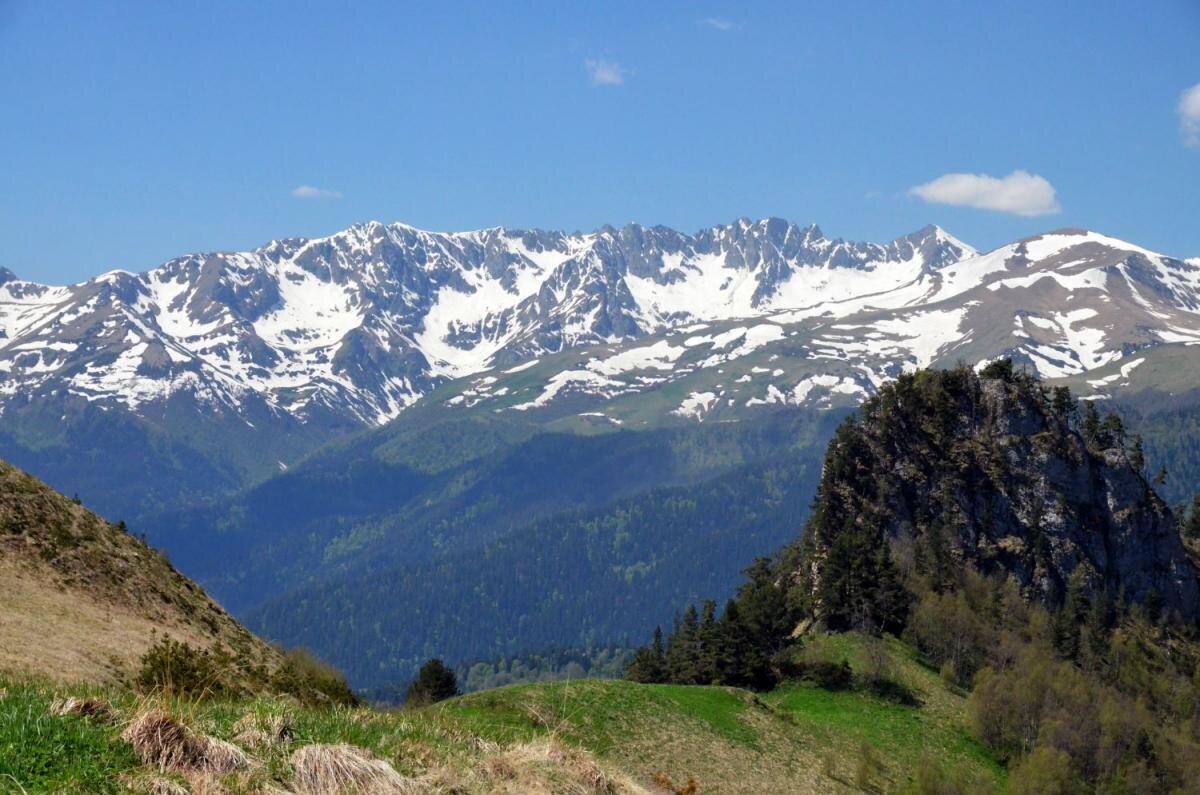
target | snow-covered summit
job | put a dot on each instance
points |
(360, 324)
(363, 322)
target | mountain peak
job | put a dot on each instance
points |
(1002, 451)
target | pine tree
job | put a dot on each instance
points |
(1091, 423)
(682, 651)
(763, 607)
(649, 663)
(1001, 368)
(859, 587)
(934, 560)
(1112, 431)
(435, 682)
(1137, 456)
(707, 644)
(1069, 619)
(1099, 624)
(1064, 403)
(743, 662)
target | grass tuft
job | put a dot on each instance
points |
(92, 708)
(345, 769)
(165, 743)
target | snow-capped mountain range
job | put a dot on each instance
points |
(363, 323)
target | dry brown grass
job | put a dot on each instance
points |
(81, 598)
(347, 770)
(164, 743)
(155, 785)
(93, 708)
(262, 732)
(546, 766)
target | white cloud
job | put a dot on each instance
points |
(309, 192)
(716, 23)
(605, 73)
(1020, 193)
(1189, 116)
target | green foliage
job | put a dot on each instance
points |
(435, 682)
(735, 649)
(175, 667)
(950, 634)
(649, 663)
(859, 586)
(574, 579)
(552, 665)
(311, 681)
(1000, 368)
(827, 675)
(1046, 771)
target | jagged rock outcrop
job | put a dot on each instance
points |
(995, 471)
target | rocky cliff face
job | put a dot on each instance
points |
(997, 472)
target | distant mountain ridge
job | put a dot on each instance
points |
(362, 323)
(215, 371)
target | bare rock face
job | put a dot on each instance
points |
(1004, 475)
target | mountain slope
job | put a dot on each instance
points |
(81, 599)
(576, 577)
(395, 509)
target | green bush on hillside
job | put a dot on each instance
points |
(311, 681)
(175, 667)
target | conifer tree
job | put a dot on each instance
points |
(1112, 431)
(1137, 456)
(859, 587)
(1091, 423)
(1071, 616)
(435, 682)
(1064, 403)
(707, 644)
(682, 651)
(743, 661)
(649, 663)
(763, 607)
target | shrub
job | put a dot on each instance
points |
(311, 681)
(1046, 771)
(829, 675)
(173, 666)
(932, 778)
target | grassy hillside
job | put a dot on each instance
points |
(81, 599)
(587, 736)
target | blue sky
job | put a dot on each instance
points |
(134, 132)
